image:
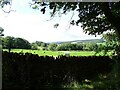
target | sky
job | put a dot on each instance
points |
(32, 25)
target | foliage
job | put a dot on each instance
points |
(8, 42)
(69, 46)
(21, 43)
(42, 44)
(52, 46)
(90, 46)
(95, 17)
(110, 36)
(12, 42)
(4, 2)
(78, 46)
(76, 86)
(112, 43)
(65, 46)
(34, 47)
(39, 45)
(33, 71)
(112, 80)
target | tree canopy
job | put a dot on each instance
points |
(10, 42)
(95, 17)
(110, 36)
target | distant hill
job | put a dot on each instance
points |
(82, 41)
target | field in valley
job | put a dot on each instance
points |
(55, 53)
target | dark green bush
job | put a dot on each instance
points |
(33, 71)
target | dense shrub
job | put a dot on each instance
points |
(33, 71)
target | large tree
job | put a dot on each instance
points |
(21, 43)
(8, 42)
(95, 17)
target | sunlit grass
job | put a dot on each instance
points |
(57, 53)
(76, 86)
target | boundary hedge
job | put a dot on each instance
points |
(33, 71)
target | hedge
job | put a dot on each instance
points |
(33, 71)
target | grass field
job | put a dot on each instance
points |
(56, 53)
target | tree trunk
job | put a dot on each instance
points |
(9, 49)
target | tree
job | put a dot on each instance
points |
(95, 17)
(112, 42)
(52, 46)
(110, 36)
(90, 46)
(34, 46)
(9, 43)
(21, 43)
(39, 43)
(78, 46)
(68, 46)
(43, 44)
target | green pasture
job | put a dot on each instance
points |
(56, 53)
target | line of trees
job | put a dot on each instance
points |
(10, 42)
(111, 43)
(67, 46)
(70, 46)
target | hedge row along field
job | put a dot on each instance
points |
(33, 71)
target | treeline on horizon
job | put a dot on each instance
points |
(20, 43)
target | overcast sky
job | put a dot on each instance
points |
(32, 25)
